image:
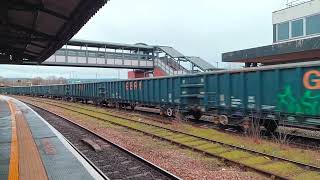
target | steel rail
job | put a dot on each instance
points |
(159, 169)
(88, 160)
(268, 173)
(289, 136)
(188, 134)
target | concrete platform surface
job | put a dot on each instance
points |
(30, 148)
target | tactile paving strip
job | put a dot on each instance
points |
(59, 162)
(4, 108)
(5, 139)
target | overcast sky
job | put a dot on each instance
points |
(204, 28)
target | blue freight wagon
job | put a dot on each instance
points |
(288, 93)
(85, 92)
(268, 95)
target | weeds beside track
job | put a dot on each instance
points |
(112, 160)
(269, 165)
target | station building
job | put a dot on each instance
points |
(297, 22)
(296, 38)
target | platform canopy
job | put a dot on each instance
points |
(109, 45)
(287, 52)
(32, 30)
(171, 52)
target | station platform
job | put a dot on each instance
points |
(32, 149)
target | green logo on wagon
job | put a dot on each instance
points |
(308, 104)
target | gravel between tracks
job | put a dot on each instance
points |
(113, 162)
(184, 163)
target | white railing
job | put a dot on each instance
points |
(167, 69)
(291, 3)
(95, 59)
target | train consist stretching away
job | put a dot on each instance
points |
(266, 95)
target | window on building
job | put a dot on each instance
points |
(274, 33)
(297, 28)
(82, 54)
(283, 31)
(72, 53)
(313, 24)
(92, 54)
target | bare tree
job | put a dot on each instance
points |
(32, 82)
(37, 81)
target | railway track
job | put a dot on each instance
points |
(269, 165)
(110, 159)
(114, 112)
(296, 140)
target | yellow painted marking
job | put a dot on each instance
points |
(14, 154)
(25, 160)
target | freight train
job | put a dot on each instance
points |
(265, 95)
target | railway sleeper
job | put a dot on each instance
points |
(196, 143)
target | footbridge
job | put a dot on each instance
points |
(142, 58)
(38, 33)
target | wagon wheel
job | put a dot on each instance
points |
(246, 125)
(271, 125)
(169, 112)
(223, 120)
(197, 115)
(124, 106)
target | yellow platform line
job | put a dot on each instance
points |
(26, 156)
(14, 154)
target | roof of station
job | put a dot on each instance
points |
(171, 52)
(32, 30)
(201, 63)
(293, 51)
(109, 45)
